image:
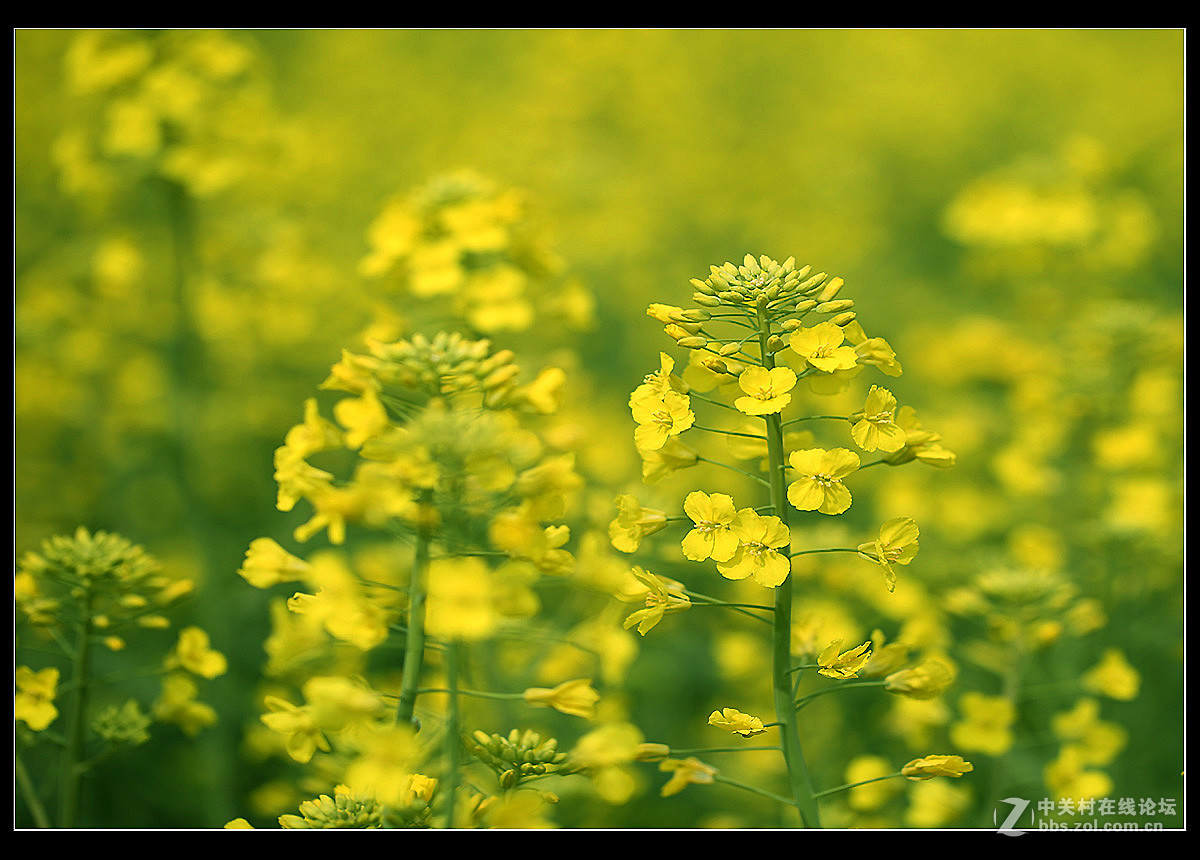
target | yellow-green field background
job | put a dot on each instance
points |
(1005, 206)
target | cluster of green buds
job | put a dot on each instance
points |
(519, 756)
(1026, 605)
(448, 364)
(779, 287)
(345, 810)
(101, 575)
(127, 724)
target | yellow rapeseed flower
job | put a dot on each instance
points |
(819, 484)
(659, 417)
(821, 346)
(33, 703)
(875, 428)
(267, 564)
(662, 596)
(685, 772)
(986, 725)
(633, 523)
(766, 390)
(759, 539)
(304, 736)
(843, 665)
(460, 602)
(193, 653)
(576, 698)
(711, 537)
(897, 544)
(936, 765)
(670, 458)
(733, 720)
(1113, 677)
(926, 680)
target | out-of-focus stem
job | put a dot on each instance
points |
(781, 641)
(450, 783)
(29, 792)
(71, 783)
(414, 640)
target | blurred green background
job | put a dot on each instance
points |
(1006, 207)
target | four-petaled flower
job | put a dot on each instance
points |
(821, 346)
(757, 556)
(766, 390)
(711, 537)
(659, 417)
(819, 486)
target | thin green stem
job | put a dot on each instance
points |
(804, 798)
(704, 399)
(712, 601)
(755, 790)
(800, 703)
(727, 432)
(749, 475)
(815, 418)
(851, 785)
(414, 642)
(710, 750)
(478, 694)
(829, 549)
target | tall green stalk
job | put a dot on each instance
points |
(414, 643)
(803, 792)
(70, 787)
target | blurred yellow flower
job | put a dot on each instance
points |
(177, 705)
(576, 698)
(633, 523)
(267, 564)
(34, 700)
(926, 680)
(1113, 676)
(685, 772)
(460, 602)
(986, 725)
(193, 653)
